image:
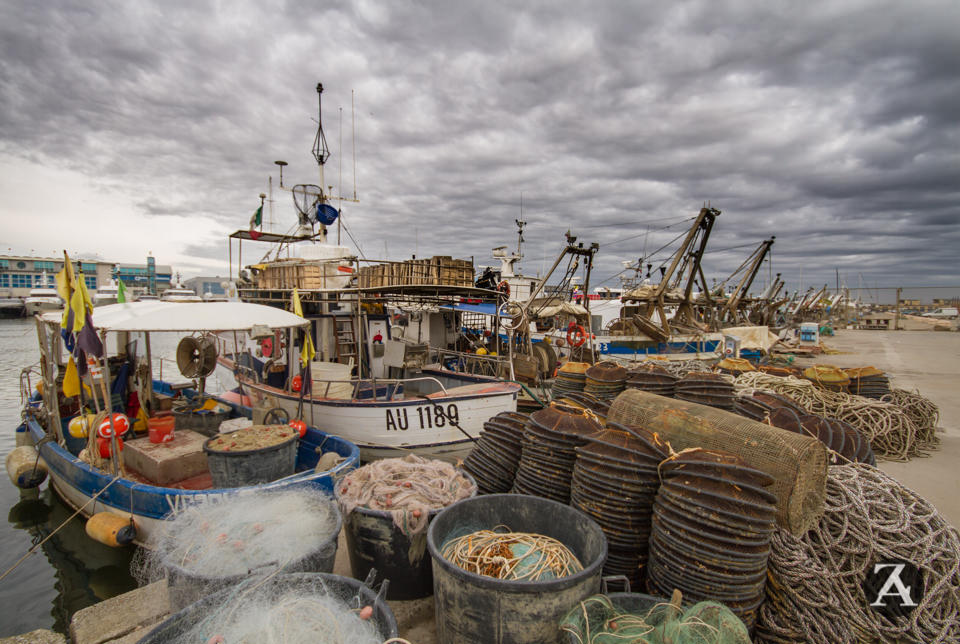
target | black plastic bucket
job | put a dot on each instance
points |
(474, 609)
(252, 466)
(188, 586)
(375, 542)
(354, 592)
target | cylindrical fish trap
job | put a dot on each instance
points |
(393, 541)
(476, 609)
(299, 608)
(797, 463)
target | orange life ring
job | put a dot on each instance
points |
(266, 347)
(576, 335)
(504, 288)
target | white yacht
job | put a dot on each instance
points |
(179, 293)
(106, 294)
(42, 298)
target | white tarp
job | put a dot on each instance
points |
(186, 316)
(753, 337)
(569, 308)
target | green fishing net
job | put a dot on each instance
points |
(624, 620)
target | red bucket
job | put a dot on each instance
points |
(160, 429)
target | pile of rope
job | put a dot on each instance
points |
(892, 433)
(924, 414)
(517, 556)
(409, 488)
(598, 620)
(815, 589)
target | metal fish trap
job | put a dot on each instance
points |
(712, 522)
(711, 389)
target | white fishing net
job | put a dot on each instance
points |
(214, 544)
(282, 609)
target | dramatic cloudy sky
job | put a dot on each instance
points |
(136, 127)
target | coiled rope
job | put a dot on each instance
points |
(892, 433)
(815, 588)
(518, 556)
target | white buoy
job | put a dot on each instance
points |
(25, 469)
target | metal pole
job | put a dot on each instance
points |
(586, 303)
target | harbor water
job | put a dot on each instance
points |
(69, 571)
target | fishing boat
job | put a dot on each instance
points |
(42, 298)
(383, 336)
(122, 490)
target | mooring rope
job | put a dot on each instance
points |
(815, 589)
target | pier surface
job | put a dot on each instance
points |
(926, 361)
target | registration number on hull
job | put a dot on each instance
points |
(426, 417)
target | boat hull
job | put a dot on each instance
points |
(77, 483)
(427, 425)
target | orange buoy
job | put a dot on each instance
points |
(111, 529)
(300, 426)
(120, 422)
(106, 450)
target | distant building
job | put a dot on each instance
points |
(203, 285)
(882, 321)
(20, 274)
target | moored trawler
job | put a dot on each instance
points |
(179, 293)
(42, 299)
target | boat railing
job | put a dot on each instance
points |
(378, 382)
(470, 363)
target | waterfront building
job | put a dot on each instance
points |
(19, 274)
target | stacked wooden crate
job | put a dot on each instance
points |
(440, 270)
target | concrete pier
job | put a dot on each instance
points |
(926, 361)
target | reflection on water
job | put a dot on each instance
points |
(85, 571)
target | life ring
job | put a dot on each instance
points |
(266, 347)
(576, 335)
(504, 288)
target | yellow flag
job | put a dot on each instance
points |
(71, 381)
(307, 352)
(66, 284)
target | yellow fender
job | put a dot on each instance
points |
(111, 529)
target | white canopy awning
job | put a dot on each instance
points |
(158, 316)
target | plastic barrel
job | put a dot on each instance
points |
(171, 630)
(253, 466)
(473, 609)
(187, 586)
(375, 542)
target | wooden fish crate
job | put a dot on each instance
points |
(440, 270)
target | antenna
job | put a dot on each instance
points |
(320, 150)
(281, 164)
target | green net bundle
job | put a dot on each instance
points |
(599, 620)
(517, 556)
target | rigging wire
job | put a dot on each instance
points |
(636, 223)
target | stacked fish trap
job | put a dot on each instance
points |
(549, 450)
(753, 408)
(712, 525)
(842, 438)
(615, 480)
(589, 402)
(571, 378)
(606, 380)
(868, 382)
(827, 377)
(712, 389)
(652, 378)
(494, 459)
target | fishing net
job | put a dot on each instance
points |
(409, 488)
(622, 620)
(288, 609)
(888, 426)
(815, 591)
(518, 556)
(213, 544)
